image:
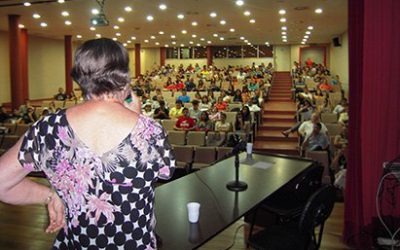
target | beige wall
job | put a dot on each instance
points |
(339, 60)
(46, 64)
(282, 57)
(239, 61)
(5, 86)
(186, 62)
(149, 58)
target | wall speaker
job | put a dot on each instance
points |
(336, 41)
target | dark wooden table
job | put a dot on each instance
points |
(219, 206)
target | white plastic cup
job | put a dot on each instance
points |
(249, 148)
(193, 211)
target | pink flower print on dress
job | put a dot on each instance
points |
(100, 205)
(29, 167)
(165, 171)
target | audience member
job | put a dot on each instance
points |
(317, 140)
(204, 123)
(222, 125)
(162, 112)
(194, 110)
(60, 96)
(185, 122)
(176, 111)
(184, 97)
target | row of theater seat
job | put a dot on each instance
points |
(201, 138)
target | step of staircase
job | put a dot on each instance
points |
(276, 126)
(280, 94)
(279, 112)
(287, 148)
(273, 98)
(271, 117)
(275, 135)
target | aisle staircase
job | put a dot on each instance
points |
(279, 112)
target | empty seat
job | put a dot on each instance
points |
(329, 118)
(231, 117)
(333, 128)
(203, 157)
(177, 137)
(215, 138)
(223, 152)
(21, 129)
(8, 141)
(322, 158)
(183, 156)
(197, 138)
(168, 124)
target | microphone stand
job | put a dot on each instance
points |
(236, 185)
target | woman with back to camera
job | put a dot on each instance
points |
(102, 158)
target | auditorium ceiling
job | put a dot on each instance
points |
(200, 22)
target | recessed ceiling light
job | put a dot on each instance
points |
(36, 16)
(310, 27)
(283, 32)
(282, 20)
(125, 44)
(222, 22)
(249, 44)
(308, 32)
(95, 11)
(184, 31)
(303, 42)
(153, 37)
(209, 42)
(282, 12)
(242, 38)
(247, 13)
(27, 4)
(266, 43)
(43, 24)
(221, 38)
(194, 23)
(246, 41)
(239, 2)
(182, 45)
(128, 9)
(129, 41)
(198, 45)
(121, 19)
(21, 26)
(213, 14)
(180, 16)
(166, 45)
(284, 28)
(215, 35)
(161, 32)
(118, 34)
(67, 22)
(116, 27)
(78, 36)
(318, 11)
(306, 36)
(92, 28)
(252, 21)
(202, 39)
(191, 42)
(157, 43)
(173, 36)
(98, 35)
(284, 40)
(146, 41)
(173, 42)
(61, 1)
(284, 37)
(150, 18)
(64, 13)
(194, 35)
(133, 37)
(162, 6)
(232, 30)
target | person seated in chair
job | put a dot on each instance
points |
(161, 112)
(317, 140)
(185, 122)
(176, 111)
(184, 97)
(60, 96)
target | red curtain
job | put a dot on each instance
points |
(374, 53)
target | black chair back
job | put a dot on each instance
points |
(316, 211)
(309, 182)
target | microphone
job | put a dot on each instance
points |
(240, 145)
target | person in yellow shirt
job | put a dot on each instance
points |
(176, 111)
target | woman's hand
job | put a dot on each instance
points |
(56, 214)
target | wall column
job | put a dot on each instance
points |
(163, 53)
(24, 64)
(137, 59)
(209, 56)
(17, 98)
(68, 63)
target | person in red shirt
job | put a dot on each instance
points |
(220, 104)
(185, 122)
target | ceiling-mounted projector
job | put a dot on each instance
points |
(99, 20)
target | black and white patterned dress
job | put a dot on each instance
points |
(109, 197)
